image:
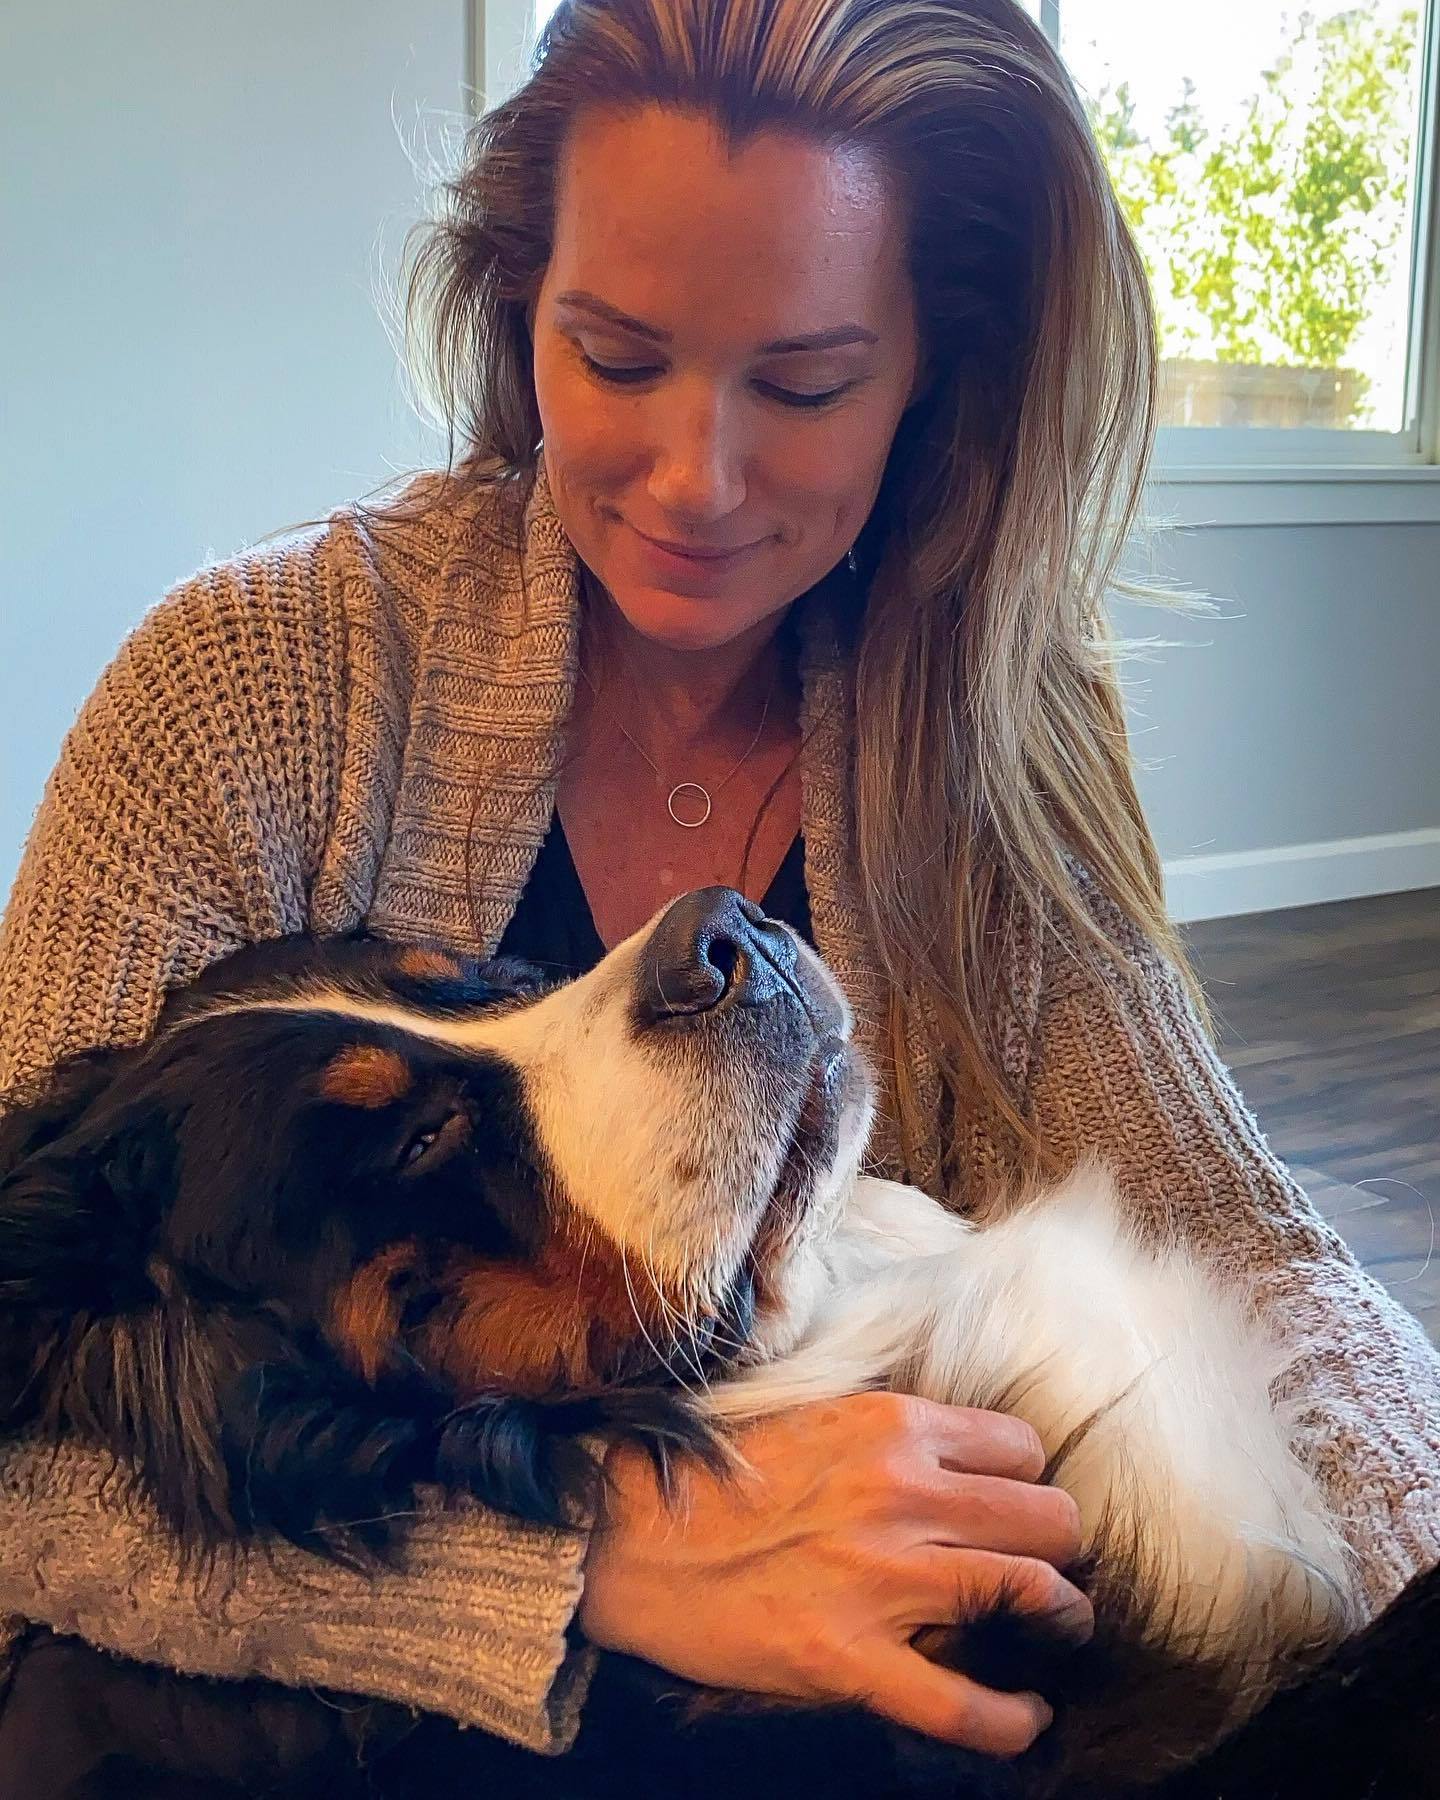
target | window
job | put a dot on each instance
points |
(1273, 163)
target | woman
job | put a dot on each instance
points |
(842, 361)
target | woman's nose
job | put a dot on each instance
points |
(697, 476)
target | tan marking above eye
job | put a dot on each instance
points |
(366, 1075)
(365, 1314)
(428, 965)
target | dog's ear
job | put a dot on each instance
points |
(334, 1465)
(38, 1113)
(83, 1171)
(99, 1334)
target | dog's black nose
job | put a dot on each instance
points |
(714, 949)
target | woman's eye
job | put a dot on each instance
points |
(789, 396)
(621, 374)
(632, 374)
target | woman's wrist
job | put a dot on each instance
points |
(612, 1601)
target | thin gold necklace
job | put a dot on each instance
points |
(693, 787)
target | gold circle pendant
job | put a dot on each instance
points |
(692, 787)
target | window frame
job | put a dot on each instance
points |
(497, 47)
(1206, 475)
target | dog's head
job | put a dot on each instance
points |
(392, 1198)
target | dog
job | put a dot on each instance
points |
(360, 1218)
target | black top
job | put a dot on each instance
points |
(554, 927)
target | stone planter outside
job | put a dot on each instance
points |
(1211, 393)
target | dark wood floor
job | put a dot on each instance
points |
(1330, 1018)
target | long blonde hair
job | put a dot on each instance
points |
(991, 745)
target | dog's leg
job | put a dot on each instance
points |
(1210, 1553)
(78, 1724)
(124, 1779)
(1365, 1726)
(1146, 1382)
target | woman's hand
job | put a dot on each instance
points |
(866, 1518)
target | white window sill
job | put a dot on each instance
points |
(1294, 494)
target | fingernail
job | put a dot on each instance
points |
(1025, 1443)
(1079, 1622)
(1044, 1714)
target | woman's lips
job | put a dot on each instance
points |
(694, 559)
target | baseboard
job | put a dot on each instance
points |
(1248, 881)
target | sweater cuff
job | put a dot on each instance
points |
(1390, 1511)
(472, 1622)
(1412, 1551)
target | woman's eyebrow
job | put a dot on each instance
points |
(834, 339)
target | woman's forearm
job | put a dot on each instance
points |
(474, 1622)
(1125, 1070)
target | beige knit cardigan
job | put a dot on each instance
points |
(295, 739)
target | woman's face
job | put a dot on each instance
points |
(724, 345)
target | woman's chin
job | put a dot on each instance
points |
(686, 622)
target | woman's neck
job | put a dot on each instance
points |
(674, 700)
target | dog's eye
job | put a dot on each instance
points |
(422, 1143)
(417, 1147)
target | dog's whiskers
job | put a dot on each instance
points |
(677, 1320)
(661, 1356)
(639, 1316)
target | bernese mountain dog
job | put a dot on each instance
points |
(361, 1220)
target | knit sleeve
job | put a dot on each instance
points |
(186, 814)
(189, 814)
(1123, 1068)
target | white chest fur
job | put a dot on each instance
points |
(1058, 1315)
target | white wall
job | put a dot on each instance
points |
(195, 200)
(190, 357)
(1291, 745)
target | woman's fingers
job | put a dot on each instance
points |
(899, 1683)
(969, 1477)
(953, 1586)
(989, 1512)
(976, 1442)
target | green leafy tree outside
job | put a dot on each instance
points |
(1265, 242)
